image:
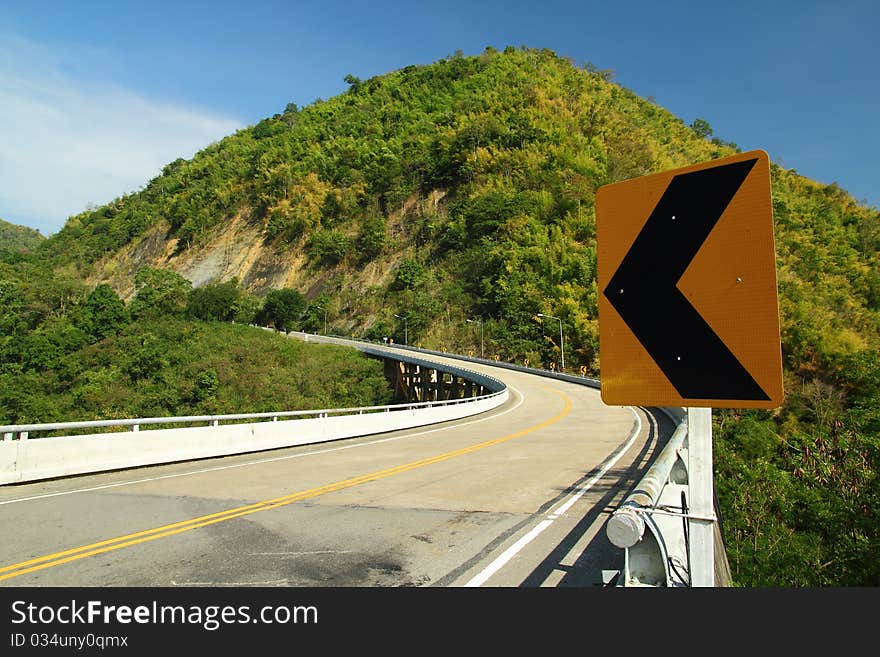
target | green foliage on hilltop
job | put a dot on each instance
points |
(481, 170)
(472, 182)
(15, 239)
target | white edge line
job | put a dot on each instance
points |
(482, 577)
(260, 461)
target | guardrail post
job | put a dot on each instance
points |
(135, 427)
(701, 527)
(633, 527)
(8, 436)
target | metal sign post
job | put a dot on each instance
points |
(701, 520)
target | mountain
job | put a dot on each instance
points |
(464, 190)
(18, 238)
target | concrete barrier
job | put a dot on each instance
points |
(43, 458)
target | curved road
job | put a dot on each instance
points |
(517, 496)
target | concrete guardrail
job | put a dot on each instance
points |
(23, 458)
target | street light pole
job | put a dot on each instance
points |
(405, 329)
(471, 321)
(325, 317)
(561, 343)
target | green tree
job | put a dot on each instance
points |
(215, 301)
(206, 385)
(247, 308)
(353, 82)
(104, 313)
(283, 308)
(372, 239)
(148, 355)
(12, 300)
(702, 128)
(410, 275)
(159, 292)
(329, 246)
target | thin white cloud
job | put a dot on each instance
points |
(66, 142)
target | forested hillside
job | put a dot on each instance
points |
(69, 353)
(464, 190)
(18, 238)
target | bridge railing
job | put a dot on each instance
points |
(11, 432)
(182, 438)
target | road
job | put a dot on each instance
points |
(517, 496)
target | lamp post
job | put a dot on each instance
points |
(325, 317)
(561, 343)
(405, 329)
(471, 321)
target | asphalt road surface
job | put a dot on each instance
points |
(514, 497)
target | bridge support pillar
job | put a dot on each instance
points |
(412, 382)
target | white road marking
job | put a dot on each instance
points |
(482, 577)
(267, 460)
(299, 554)
(271, 582)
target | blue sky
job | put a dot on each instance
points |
(96, 96)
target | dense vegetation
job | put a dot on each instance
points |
(799, 485)
(473, 181)
(70, 353)
(14, 239)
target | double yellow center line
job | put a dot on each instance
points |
(74, 554)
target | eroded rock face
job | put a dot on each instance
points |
(239, 250)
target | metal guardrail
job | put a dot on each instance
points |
(626, 525)
(650, 524)
(21, 431)
(653, 523)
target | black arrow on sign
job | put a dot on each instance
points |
(643, 289)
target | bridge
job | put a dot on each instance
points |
(483, 474)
